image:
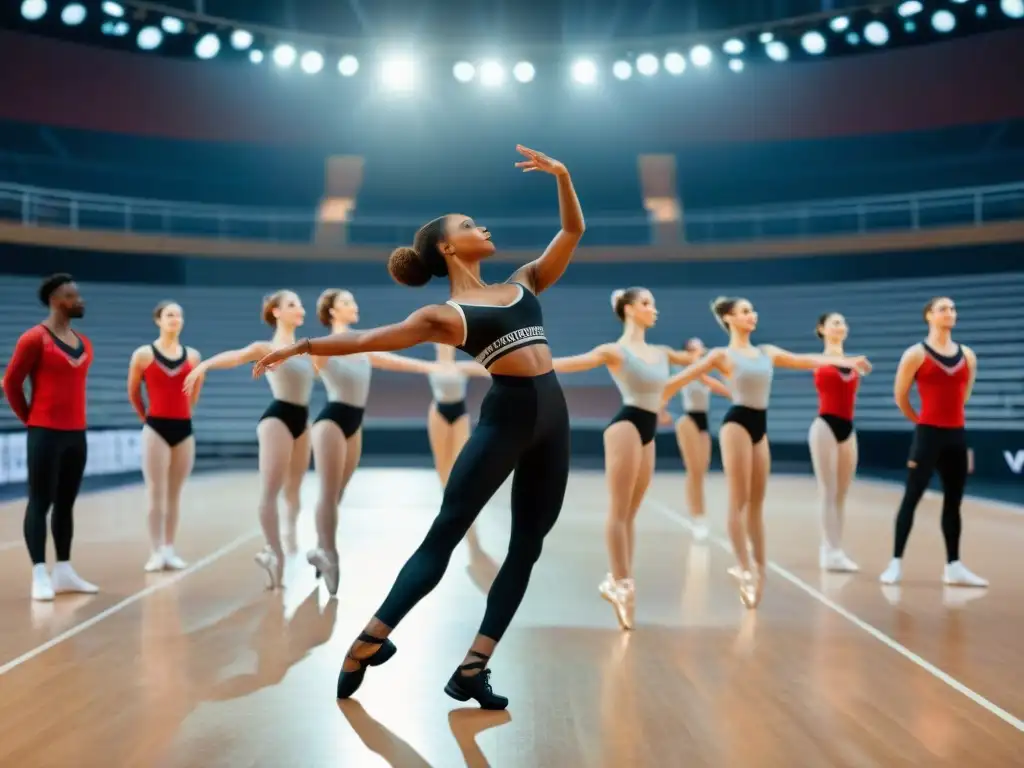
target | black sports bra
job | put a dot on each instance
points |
(491, 332)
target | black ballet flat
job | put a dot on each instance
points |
(462, 687)
(349, 682)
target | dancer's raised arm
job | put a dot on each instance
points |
(545, 271)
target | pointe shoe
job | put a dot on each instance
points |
(618, 594)
(271, 563)
(349, 682)
(326, 567)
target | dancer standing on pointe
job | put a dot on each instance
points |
(168, 446)
(337, 432)
(641, 372)
(55, 359)
(283, 429)
(746, 456)
(523, 427)
(694, 439)
(833, 442)
(944, 372)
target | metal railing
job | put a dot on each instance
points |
(80, 210)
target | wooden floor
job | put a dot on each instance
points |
(204, 668)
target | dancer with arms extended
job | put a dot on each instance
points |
(523, 427)
(833, 442)
(168, 446)
(944, 372)
(337, 432)
(283, 429)
(743, 438)
(694, 440)
(641, 371)
(55, 359)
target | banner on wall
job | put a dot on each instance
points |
(111, 452)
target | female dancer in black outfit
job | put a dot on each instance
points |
(523, 427)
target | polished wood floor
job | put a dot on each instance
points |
(204, 668)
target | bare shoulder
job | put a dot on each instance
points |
(610, 352)
(193, 355)
(972, 358)
(524, 276)
(913, 353)
(142, 355)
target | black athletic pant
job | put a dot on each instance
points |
(524, 427)
(943, 449)
(56, 463)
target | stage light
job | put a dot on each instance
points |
(464, 71)
(765, 37)
(115, 28)
(622, 70)
(777, 50)
(311, 62)
(647, 64)
(149, 38)
(909, 8)
(524, 72)
(348, 66)
(256, 56)
(492, 74)
(584, 71)
(734, 47)
(853, 38)
(33, 10)
(241, 39)
(113, 9)
(736, 65)
(813, 43)
(958, 2)
(876, 33)
(1013, 8)
(208, 46)
(73, 14)
(700, 56)
(398, 74)
(981, 11)
(675, 63)
(172, 25)
(284, 55)
(839, 24)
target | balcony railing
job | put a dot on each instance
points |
(79, 210)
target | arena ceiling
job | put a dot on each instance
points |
(497, 20)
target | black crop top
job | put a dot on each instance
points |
(491, 332)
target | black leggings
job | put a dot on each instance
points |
(945, 450)
(524, 427)
(56, 463)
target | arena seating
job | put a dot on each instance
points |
(885, 317)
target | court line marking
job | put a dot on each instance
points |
(77, 629)
(858, 622)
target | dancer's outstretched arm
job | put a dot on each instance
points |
(438, 323)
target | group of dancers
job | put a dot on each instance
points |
(523, 426)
